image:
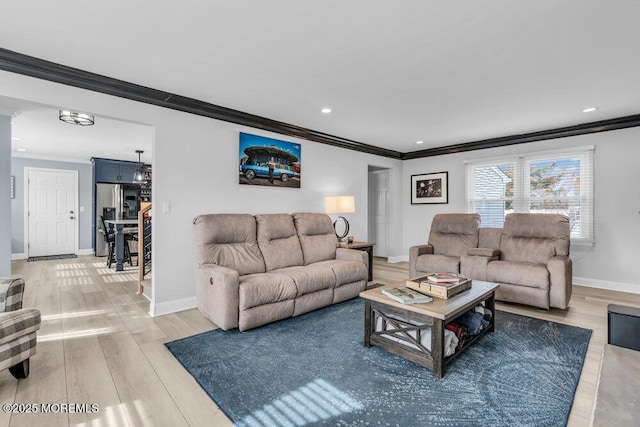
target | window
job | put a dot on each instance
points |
(553, 182)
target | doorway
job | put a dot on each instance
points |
(378, 201)
(51, 206)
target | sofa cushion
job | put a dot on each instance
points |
(278, 241)
(489, 237)
(438, 264)
(527, 274)
(310, 278)
(454, 234)
(346, 271)
(265, 288)
(537, 227)
(228, 240)
(526, 249)
(317, 237)
(263, 314)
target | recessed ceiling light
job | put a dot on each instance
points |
(590, 109)
(326, 110)
(419, 142)
(16, 138)
(21, 149)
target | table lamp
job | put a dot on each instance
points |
(340, 205)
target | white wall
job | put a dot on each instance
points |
(5, 196)
(195, 162)
(613, 261)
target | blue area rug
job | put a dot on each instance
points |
(314, 370)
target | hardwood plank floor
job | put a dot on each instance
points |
(98, 345)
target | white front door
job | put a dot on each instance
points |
(51, 212)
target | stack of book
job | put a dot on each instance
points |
(406, 295)
(440, 285)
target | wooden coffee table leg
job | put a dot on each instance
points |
(490, 304)
(368, 323)
(437, 347)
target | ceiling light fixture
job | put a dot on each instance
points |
(16, 138)
(80, 119)
(21, 149)
(326, 110)
(419, 142)
(139, 176)
(590, 109)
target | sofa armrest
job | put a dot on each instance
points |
(475, 266)
(560, 281)
(414, 253)
(218, 294)
(18, 323)
(487, 252)
(11, 293)
(352, 255)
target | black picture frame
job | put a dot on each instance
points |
(430, 188)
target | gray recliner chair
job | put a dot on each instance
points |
(450, 238)
(18, 328)
(534, 267)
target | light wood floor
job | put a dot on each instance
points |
(98, 345)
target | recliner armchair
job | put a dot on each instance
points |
(450, 238)
(18, 328)
(534, 267)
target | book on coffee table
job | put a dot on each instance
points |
(445, 277)
(406, 295)
(443, 290)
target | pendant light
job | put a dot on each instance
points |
(139, 176)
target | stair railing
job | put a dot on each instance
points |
(144, 244)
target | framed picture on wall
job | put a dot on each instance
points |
(269, 162)
(430, 188)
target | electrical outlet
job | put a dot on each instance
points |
(166, 208)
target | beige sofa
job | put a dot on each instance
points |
(529, 256)
(253, 270)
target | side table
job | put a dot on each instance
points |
(362, 246)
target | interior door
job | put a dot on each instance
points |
(51, 212)
(379, 211)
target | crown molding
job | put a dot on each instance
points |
(581, 129)
(39, 68)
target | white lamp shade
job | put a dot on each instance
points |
(339, 204)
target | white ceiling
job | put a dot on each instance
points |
(38, 131)
(393, 72)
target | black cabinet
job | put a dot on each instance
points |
(114, 171)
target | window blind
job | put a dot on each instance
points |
(551, 182)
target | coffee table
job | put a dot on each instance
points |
(434, 315)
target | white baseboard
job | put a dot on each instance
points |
(395, 259)
(172, 306)
(604, 284)
(85, 251)
(18, 256)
